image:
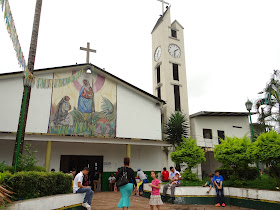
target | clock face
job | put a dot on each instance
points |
(157, 53)
(174, 50)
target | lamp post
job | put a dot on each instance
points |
(249, 106)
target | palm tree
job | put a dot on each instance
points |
(269, 105)
(175, 128)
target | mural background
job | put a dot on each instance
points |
(84, 107)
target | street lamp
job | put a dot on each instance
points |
(249, 106)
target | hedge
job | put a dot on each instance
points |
(33, 184)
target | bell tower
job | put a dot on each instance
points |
(169, 68)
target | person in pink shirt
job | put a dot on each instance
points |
(155, 199)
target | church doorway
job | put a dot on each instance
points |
(78, 162)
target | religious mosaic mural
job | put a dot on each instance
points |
(86, 106)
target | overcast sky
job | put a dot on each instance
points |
(231, 47)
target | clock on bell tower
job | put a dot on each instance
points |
(169, 68)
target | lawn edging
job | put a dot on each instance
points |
(65, 201)
(243, 197)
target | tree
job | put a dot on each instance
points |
(175, 128)
(232, 153)
(267, 149)
(188, 152)
(268, 106)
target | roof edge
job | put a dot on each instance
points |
(99, 69)
(220, 114)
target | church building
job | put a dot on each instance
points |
(81, 115)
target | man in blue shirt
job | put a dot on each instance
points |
(218, 183)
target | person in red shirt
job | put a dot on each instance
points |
(165, 175)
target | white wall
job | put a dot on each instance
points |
(11, 95)
(137, 117)
(144, 157)
(39, 109)
(216, 123)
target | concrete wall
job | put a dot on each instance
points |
(145, 157)
(49, 202)
(268, 195)
(11, 95)
(39, 109)
(216, 123)
(137, 117)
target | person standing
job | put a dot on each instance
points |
(96, 181)
(111, 182)
(126, 189)
(165, 175)
(155, 199)
(218, 183)
(79, 188)
(143, 179)
(172, 178)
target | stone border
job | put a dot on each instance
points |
(65, 201)
(243, 197)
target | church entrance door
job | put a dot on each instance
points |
(69, 162)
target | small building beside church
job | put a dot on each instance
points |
(208, 128)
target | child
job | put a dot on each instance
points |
(218, 183)
(155, 199)
(210, 184)
(176, 180)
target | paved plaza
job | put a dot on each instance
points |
(109, 200)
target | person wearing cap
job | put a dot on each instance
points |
(143, 179)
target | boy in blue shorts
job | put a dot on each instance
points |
(218, 183)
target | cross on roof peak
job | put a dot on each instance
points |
(163, 2)
(88, 50)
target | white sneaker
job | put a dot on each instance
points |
(86, 205)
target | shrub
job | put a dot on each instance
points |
(249, 173)
(265, 182)
(188, 175)
(31, 184)
(188, 152)
(267, 150)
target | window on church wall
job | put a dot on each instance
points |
(158, 74)
(175, 72)
(159, 92)
(207, 133)
(177, 98)
(173, 33)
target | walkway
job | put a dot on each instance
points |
(109, 201)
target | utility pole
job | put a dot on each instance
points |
(27, 86)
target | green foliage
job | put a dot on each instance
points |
(188, 152)
(32, 184)
(267, 149)
(27, 160)
(265, 182)
(248, 173)
(232, 153)
(188, 175)
(268, 105)
(175, 128)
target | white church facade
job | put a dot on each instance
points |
(119, 120)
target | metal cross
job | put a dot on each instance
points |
(163, 2)
(88, 51)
